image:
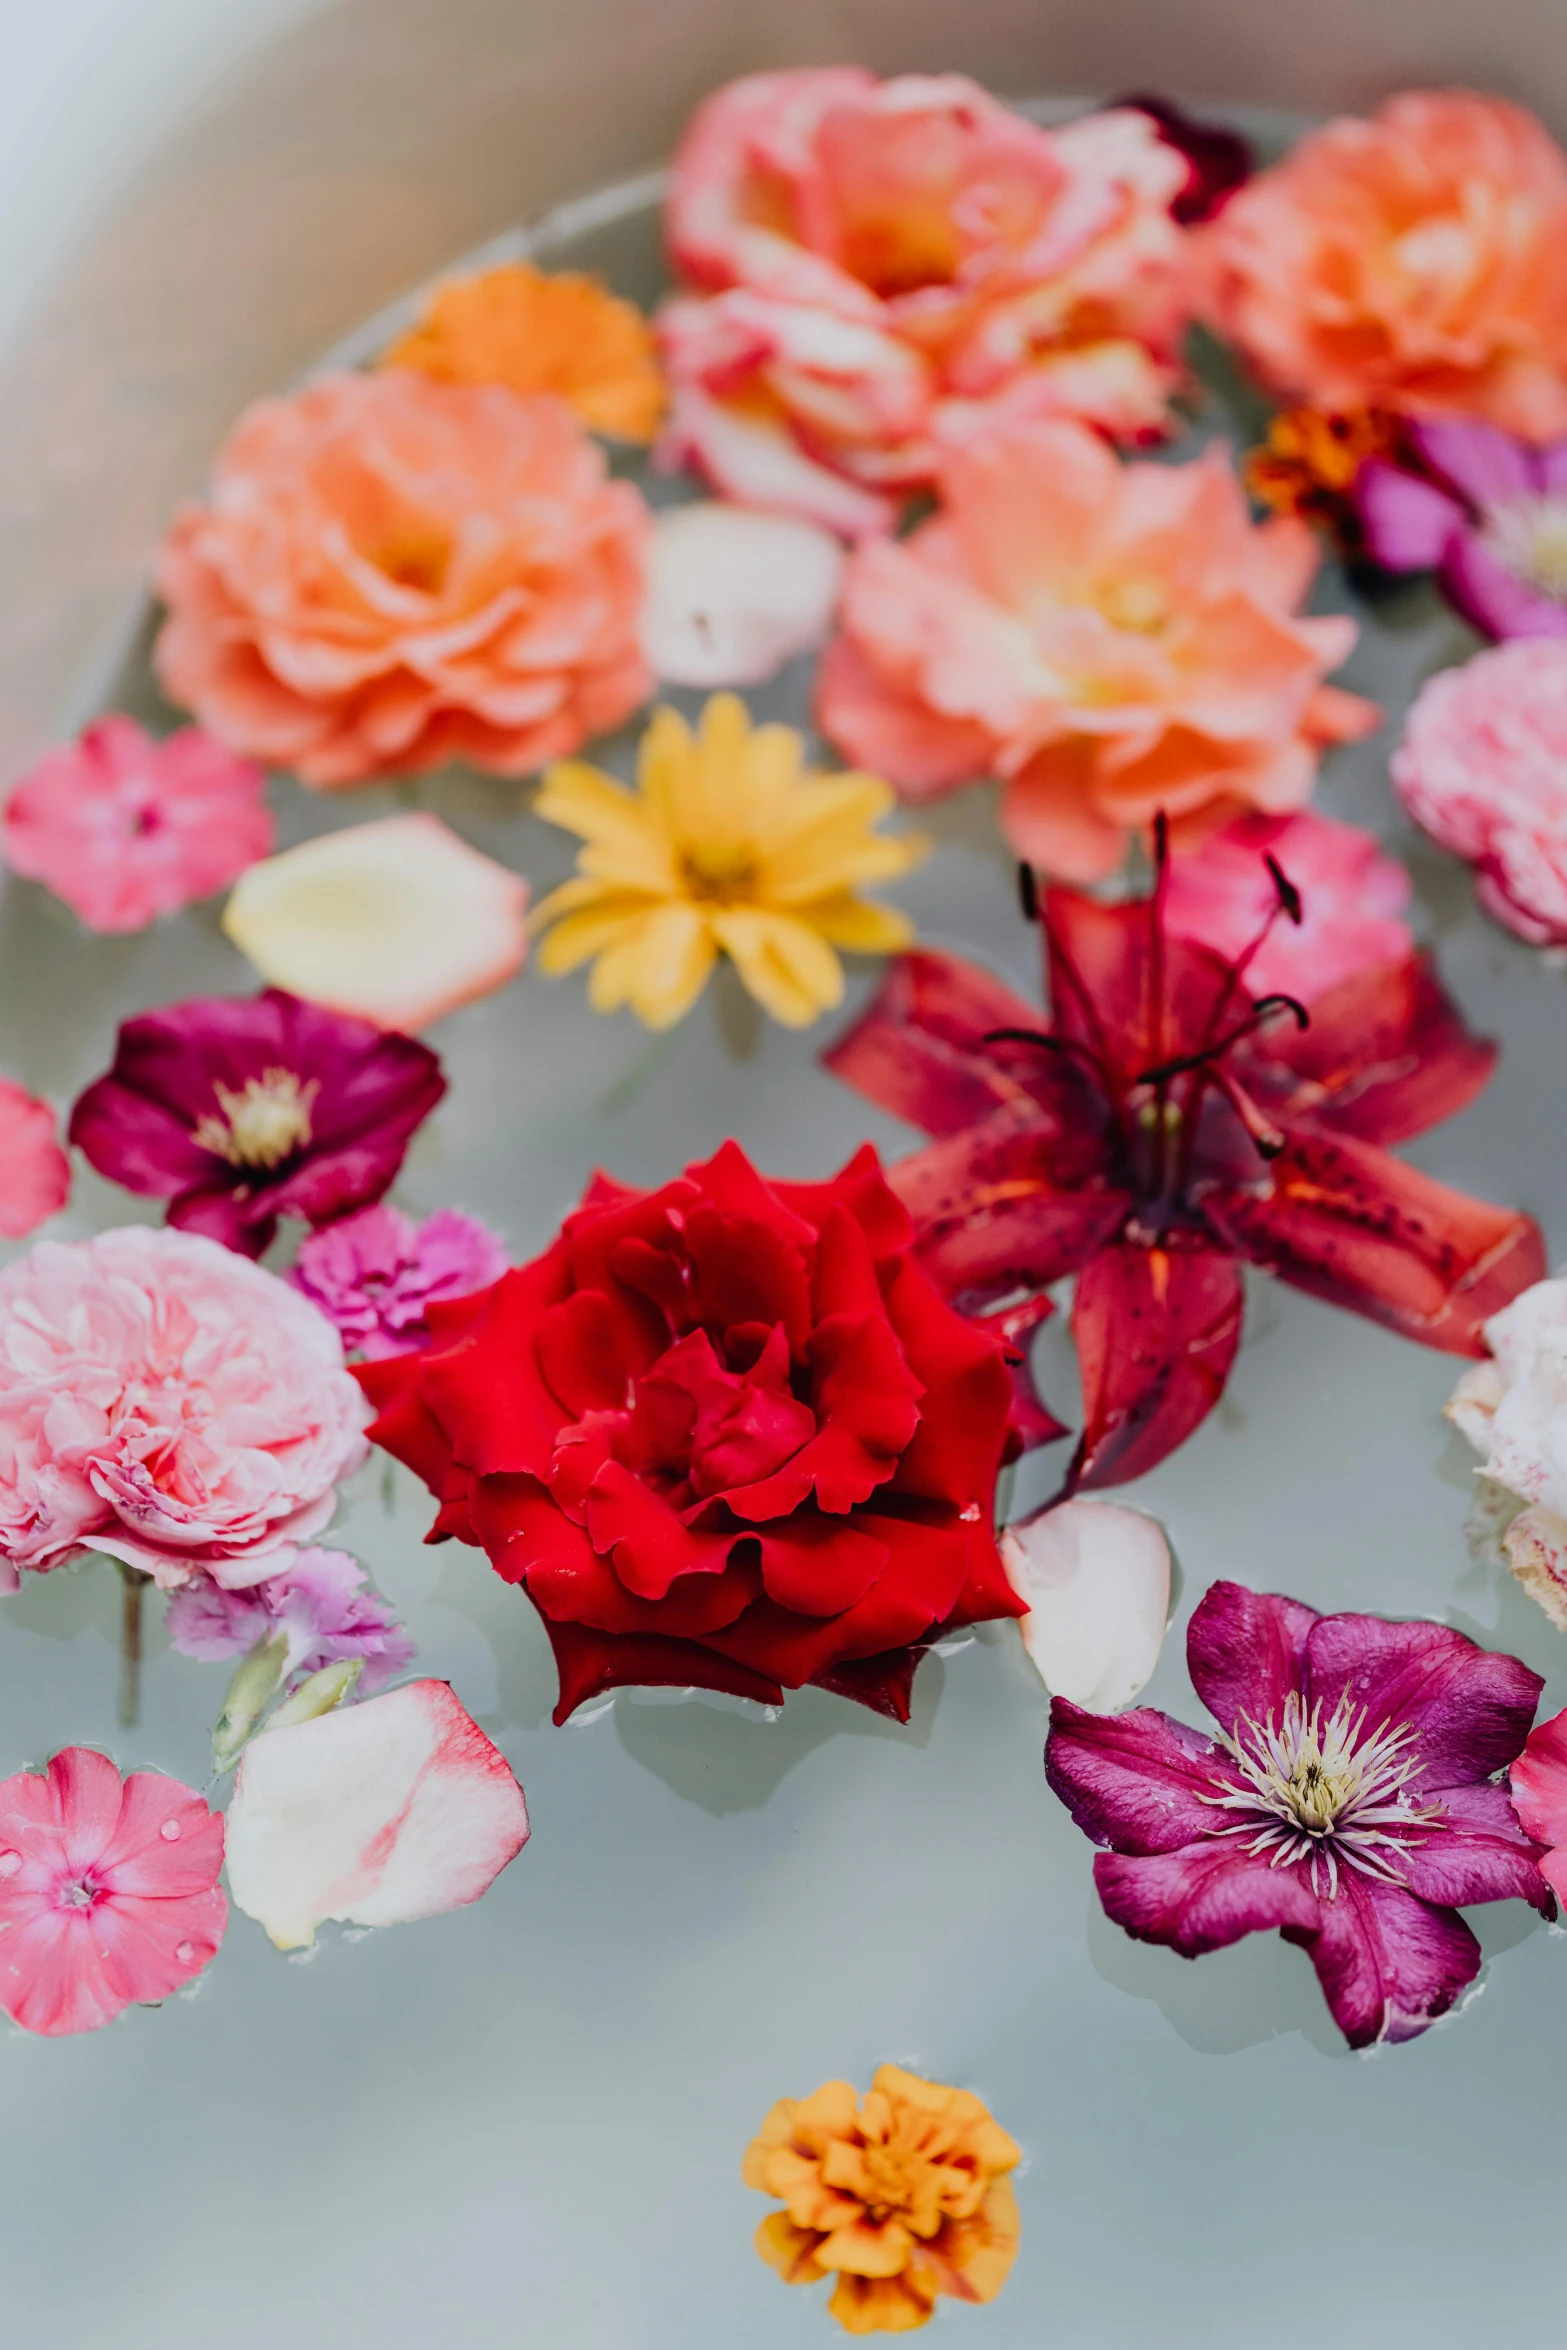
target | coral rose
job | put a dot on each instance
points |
(391, 572)
(168, 1403)
(1416, 262)
(880, 266)
(725, 1434)
(1111, 640)
(903, 2196)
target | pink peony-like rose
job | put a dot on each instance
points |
(1482, 767)
(124, 828)
(391, 572)
(880, 267)
(35, 1174)
(169, 1403)
(1351, 894)
(1415, 262)
(1112, 640)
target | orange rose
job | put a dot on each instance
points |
(1416, 262)
(903, 2197)
(392, 572)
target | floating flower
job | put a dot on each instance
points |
(108, 1892)
(725, 1434)
(376, 1814)
(35, 1174)
(538, 331)
(1482, 767)
(322, 1605)
(1352, 898)
(165, 1402)
(1486, 512)
(1513, 1409)
(1312, 459)
(1537, 1783)
(732, 596)
(1095, 1579)
(1415, 262)
(1166, 1126)
(397, 922)
(390, 573)
(1218, 160)
(1111, 640)
(124, 828)
(901, 2197)
(1348, 1799)
(879, 267)
(240, 1109)
(376, 1275)
(729, 845)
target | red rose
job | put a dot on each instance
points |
(725, 1434)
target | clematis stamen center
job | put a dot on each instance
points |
(1528, 537)
(1325, 1791)
(261, 1124)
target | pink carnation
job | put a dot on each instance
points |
(124, 828)
(108, 1891)
(169, 1403)
(322, 1604)
(35, 1174)
(1483, 768)
(374, 1274)
(1352, 900)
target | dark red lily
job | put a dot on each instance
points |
(1163, 1127)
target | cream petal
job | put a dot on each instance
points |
(733, 595)
(1096, 1578)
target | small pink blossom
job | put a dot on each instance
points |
(1482, 767)
(167, 1402)
(35, 1174)
(322, 1604)
(108, 1891)
(374, 1274)
(124, 828)
(1353, 896)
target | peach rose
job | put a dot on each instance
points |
(391, 572)
(1416, 262)
(1110, 639)
(880, 267)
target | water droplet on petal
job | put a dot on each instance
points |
(185, 1952)
(169, 1830)
(10, 1862)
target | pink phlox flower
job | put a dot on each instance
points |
(35, 1174)
(124, 828)
(374, 1274)
(323, 1604)
(1352, 896)
(108, 1891)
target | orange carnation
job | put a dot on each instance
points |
(1415, 262)
(567, 334)
(391, 572)
(903, 2196)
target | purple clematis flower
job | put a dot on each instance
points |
(375, 1274)
(1487, 513)
(1349, 1799)
(240, 1109)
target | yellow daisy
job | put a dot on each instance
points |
(728, 845)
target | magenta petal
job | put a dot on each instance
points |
(1246, 1652)
(1406, 522)
(1550, 468)
(1480, 1853)
(1135, 1781)
(1492, 598)
(1203, 1897)
(1486, 465)
(1470, 1707)
(1389, 1965)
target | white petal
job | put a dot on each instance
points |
(397, 921)
(398, 1808)
(1096, 1579)
(732, 595)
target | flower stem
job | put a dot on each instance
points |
(133, 1584)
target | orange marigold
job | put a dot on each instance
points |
(1307, 465)
(520, 326)
(904, 2196)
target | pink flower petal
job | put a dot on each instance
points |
(35, 1174)
(395, 1809)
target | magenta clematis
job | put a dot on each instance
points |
(1486, 512)
(1349, 1799)
(375, 1275)
(240, 1109)
(1162, 1128)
